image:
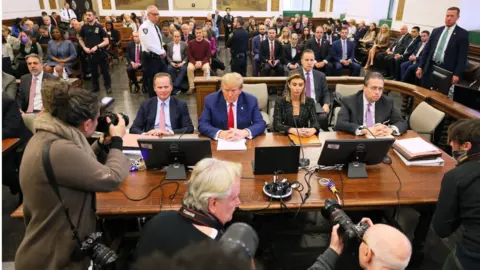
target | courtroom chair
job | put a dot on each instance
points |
(342, 90)
(29, 119)
(260, 91)
(425, 119)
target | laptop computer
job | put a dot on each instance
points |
(467, 96)
(282, 159)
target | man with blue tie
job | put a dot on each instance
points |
(162, 115)
(231, 114)
(256, 48)
(447, 49)
(343, 54)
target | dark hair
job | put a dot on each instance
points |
(279, 20)
(344, 28)
(456, 9)
(208, 21)
(4, 40)
(465, 130)
(58, 29)
(109, 23)
(228, 9)
(17, 22)
(307, 51)
(240, 20)
(133, 16)
(372, 75)
(71, 105)
(426, 32)
(44, 13)
(198, 28)
(417, 28)
(92, 11)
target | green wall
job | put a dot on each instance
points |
(474, 37)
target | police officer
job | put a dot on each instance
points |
(153, 53)
(238, 44)
(94, 41)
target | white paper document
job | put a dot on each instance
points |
(223, 145)
(438, 162)
(416, 145)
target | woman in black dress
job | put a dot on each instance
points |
(295, 109)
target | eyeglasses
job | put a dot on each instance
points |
(153, 14)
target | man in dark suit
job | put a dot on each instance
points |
(408, 68)
(330, 36)
(177, 59)
(361, 31)
(395, 63)
(315, 86)
(187, 34)
(278, 27)
(162, 115)
(238, 44)
(29, 97)
(322, 50)
(256, 41)
(9, 85)
(397, 47)
(134, 54)
(370, 110)
(447, 48)
(217, 19)
(271, 55)
(343, 55)
(231, 114)
(227, 24)
(293, 54)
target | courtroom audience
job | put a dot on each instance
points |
(166, 35)
(61, 54)
(177, 58)
(285, 36)
(199, 56)
(27, 46)
(114, 38)
(322, 50)
(271, 55)
(330, 35)
(17, 27)
(368, 39)
(256, 42)
(305, 35)
(218, 120)
(7, 55)
(211, 39)
(393, 66)
(380, 44)
(408, 68)
(13, 41)
(378, 115)
(129, 23)
(48, 25)
(361, 31)
(162, 115)
(134, 64)
(186, 33)
(352, 28)
(292, 53)
(343, 55)
(383, 60)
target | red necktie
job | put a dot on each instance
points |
(231, 120)
(272, 53)
(319, 44)
(137, 55)
(31, 98)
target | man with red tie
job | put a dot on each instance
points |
(322, 50)
(133, 59)
(271, 55)
(231, 114)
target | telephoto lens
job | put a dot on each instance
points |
(333, 211)
(103, 126)
(240, 238)
(100, 254)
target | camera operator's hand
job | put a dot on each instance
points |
(118, 130)
(336, 242)
(367, 220)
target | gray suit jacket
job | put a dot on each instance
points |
(23, 94)
(351, 114)
(183, 52)
(9, 85)
(322, 95)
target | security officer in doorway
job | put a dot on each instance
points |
(153, 53)
(94, 41)
(238, 44)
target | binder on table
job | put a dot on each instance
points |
(416, 149)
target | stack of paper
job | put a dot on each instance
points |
(224, 145)
(438, 162)
(416, 148)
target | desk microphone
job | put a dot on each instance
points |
(183, 132)
(303, 162)
(369, 131)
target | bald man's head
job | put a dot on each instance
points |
(403, 30)
(384, 247)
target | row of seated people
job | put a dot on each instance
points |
(231, 114)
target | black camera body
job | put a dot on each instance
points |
(103, 126)
(92, 247)
(333, 211)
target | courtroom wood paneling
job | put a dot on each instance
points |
(53, 4)
(42, 4)
(400, 9)
(106, 4)
(323, 5)
(331, 5)
(275, 5)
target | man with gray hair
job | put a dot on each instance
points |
(29, 96)
(211, 197)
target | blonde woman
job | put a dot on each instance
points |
(130, 23)
(352, 29)
(380, 44)
(213, 44)
(285, 36)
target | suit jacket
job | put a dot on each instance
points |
(256, 44)
(351, 114)
(283, 116)
(278, 30)
(12, 122)
(9, 85)
(334, 38)
(265, 51)
(455, 59)
(322, 53)
(179, 116)
(219, 19)
(183, 52)
(190, 37)
(131, 52)
(400, 45)
(288, 59)
(360, 33)
(23, 94)
(412, 46)
(322, 95)
(228, 19)
(337, 50)
(215, 115)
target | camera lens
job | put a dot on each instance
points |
(103, 255)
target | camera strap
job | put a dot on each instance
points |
(47, 166)
(202, 219)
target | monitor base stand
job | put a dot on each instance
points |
(357, 170)
(176, 171)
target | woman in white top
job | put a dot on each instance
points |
(13, 41)
(7, 50)
(352, 29)
(129, 23)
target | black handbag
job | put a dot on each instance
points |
(217, 64)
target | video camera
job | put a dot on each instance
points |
(240, 238)
(103, 126)
(333, 211)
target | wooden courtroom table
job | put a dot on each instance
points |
(420, 185)
(204, 87)
(9, 144)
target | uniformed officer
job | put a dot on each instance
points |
(238, 44)
(153, 53)
(94, 41)
(227, 24)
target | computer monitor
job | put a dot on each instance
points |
(283, 159)
(174, 153)
(441, 80)
(467, 96)
(356, 153)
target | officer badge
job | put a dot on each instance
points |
(96, 30)
(145, 31)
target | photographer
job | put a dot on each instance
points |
(69, 117)
(382, 247)
(458, 202)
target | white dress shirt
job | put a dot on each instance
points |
(312, 83)
(166, 108)
(64, 15)
(450, 32)
(177, 55)
(150, 39)
(234, 109)
(372, 110)
(37, 101)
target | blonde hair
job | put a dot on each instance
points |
(284, 30)
(184, 26)
(211, 178)
(232, 79)
(295, 75)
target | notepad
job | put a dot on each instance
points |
(416, 145)
(437, 162)
(224, 145)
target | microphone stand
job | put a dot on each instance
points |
(303, 162)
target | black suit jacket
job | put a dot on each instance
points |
(455, 59)
(412, 46)
(288, 59)
(23, 94)
(278, 30)
(219, 19)
(400, 45)
(322, 53)
(228, 19)
(179, 116)
(12, 122)
(190, 37)
(265, 51)
(351, 114)
(131, 52)
(360, 33)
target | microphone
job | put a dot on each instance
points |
(183, 132)
(303, 162)
(369, 131)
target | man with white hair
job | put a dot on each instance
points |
(48, 24)
(211, 197)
